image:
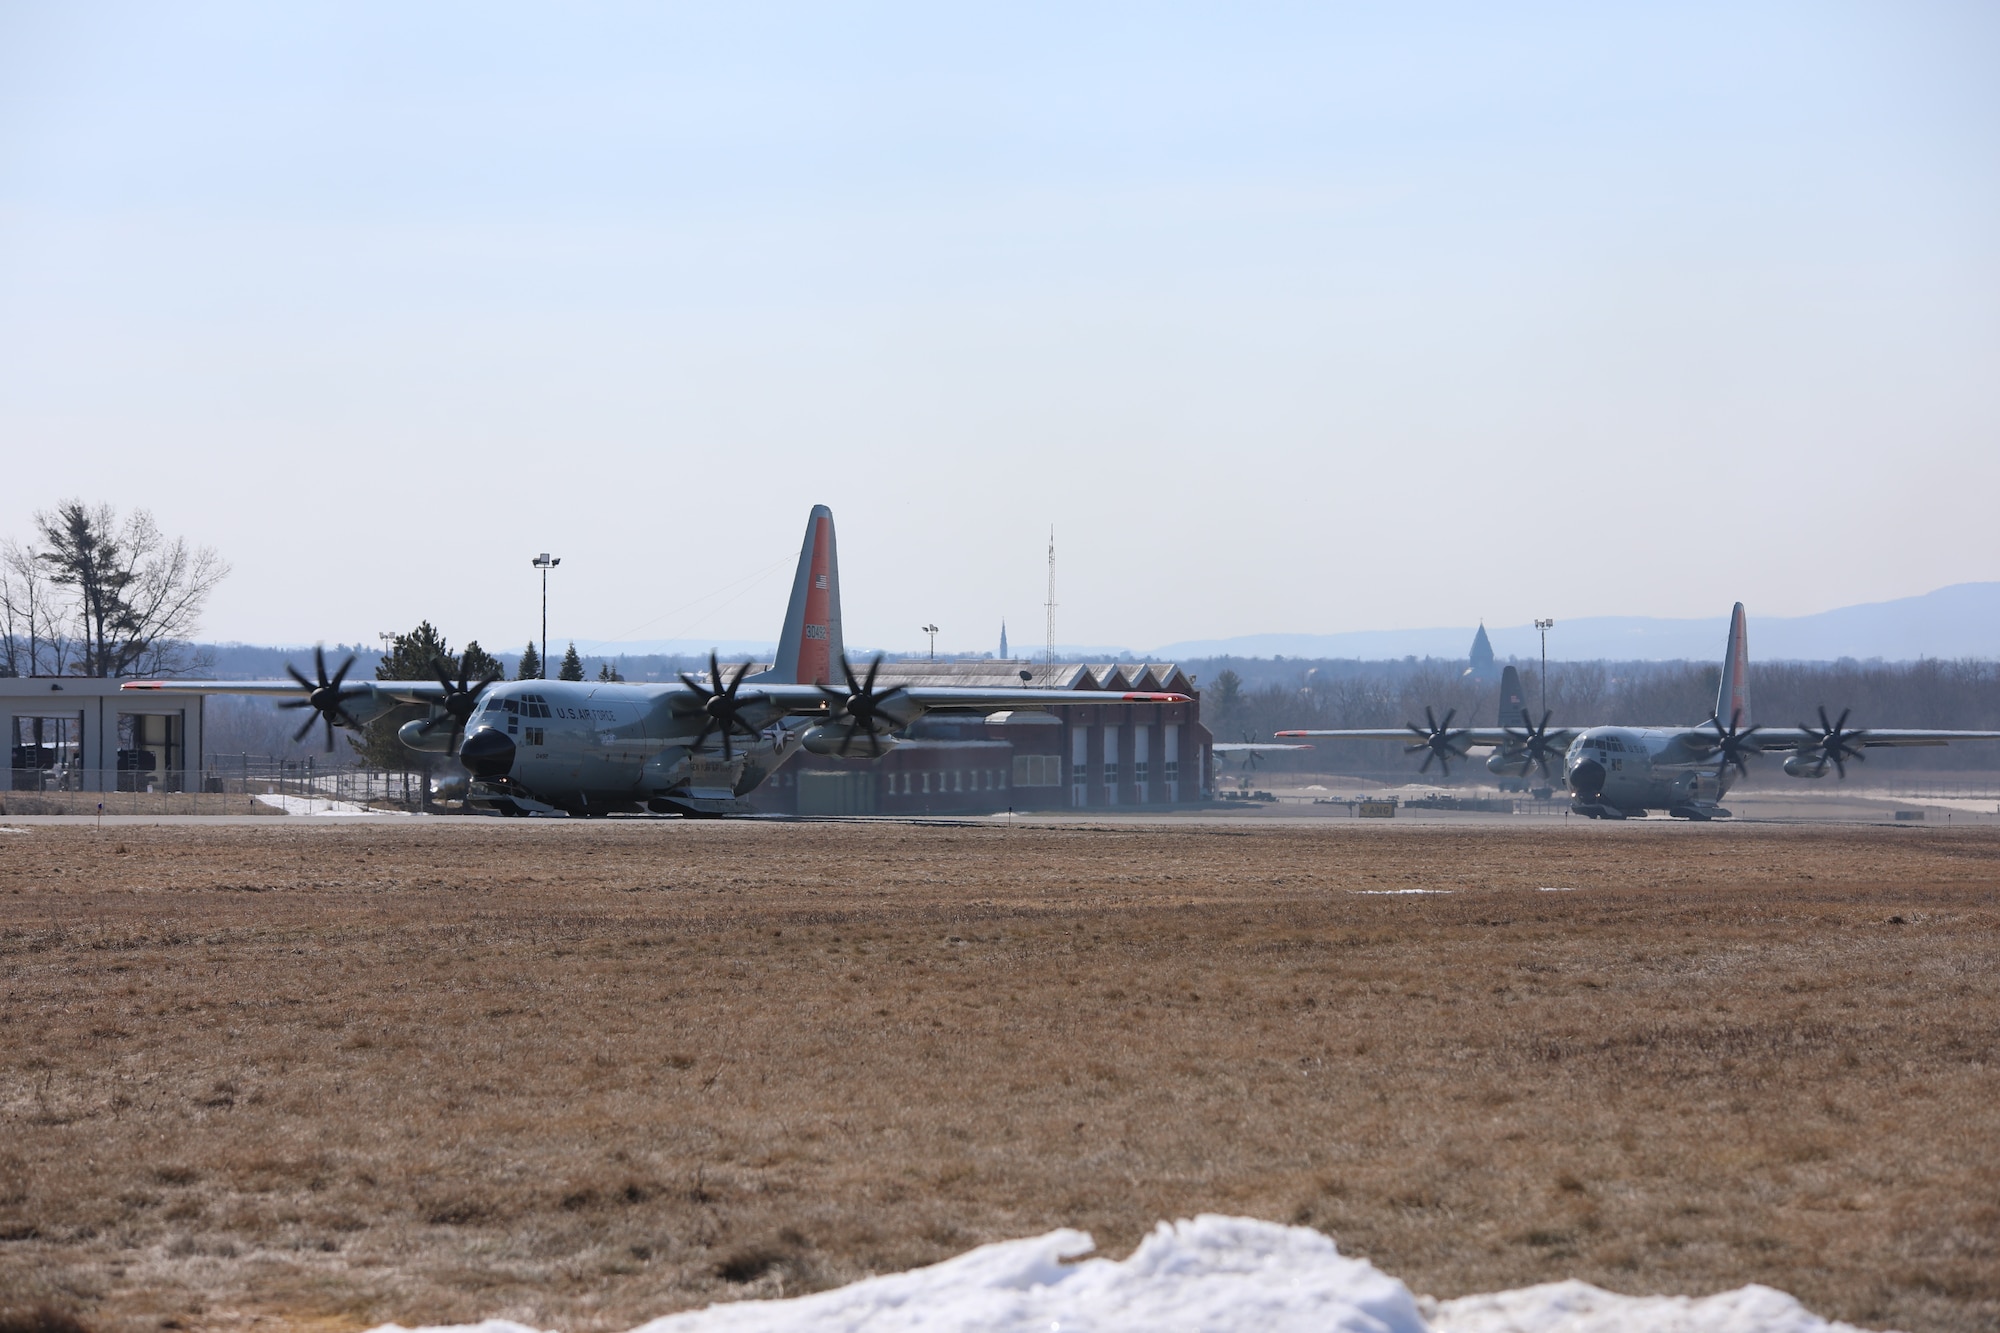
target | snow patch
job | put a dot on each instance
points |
(1217, 1274)
(1391, 893)
(1557, 888)
(318, 805)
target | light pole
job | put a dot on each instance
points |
(932, 630)
(544, 563)
(1545, 626)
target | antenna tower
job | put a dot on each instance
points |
(1049, 660)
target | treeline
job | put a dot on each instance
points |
(1959, 695)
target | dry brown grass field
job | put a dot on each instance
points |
(314, 1074)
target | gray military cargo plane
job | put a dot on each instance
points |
(1621, 772)
(696, 747)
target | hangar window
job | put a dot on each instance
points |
(1037, 770)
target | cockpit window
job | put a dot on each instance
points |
(510, 705)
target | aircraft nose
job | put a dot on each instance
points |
(1585, 779)
(488, 753)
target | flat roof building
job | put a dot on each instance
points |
(1036, 757)
(82, 733)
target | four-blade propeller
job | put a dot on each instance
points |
(325, 697)
(1834, 744)
(1438, 739)
(1531, 745)
(461, 697)
(721, 707)
(1734, 742)
(861, 704)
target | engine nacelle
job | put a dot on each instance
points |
(826, 740)
(1803, 765)
(438, 741)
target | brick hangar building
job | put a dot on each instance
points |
(1046, 757)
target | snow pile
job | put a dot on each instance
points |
(1578, 1307)
(1218, 1274)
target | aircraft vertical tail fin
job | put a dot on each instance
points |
(1732, 696)
(1512, 701)
(810, 645)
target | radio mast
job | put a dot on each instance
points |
(1049, 661)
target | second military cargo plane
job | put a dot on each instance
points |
(1619, 772)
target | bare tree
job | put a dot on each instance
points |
(134, 596)
(34, 638)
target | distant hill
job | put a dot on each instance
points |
(1959, 621)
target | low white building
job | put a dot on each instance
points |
(74, 733)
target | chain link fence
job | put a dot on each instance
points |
(229, 785)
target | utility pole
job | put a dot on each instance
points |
(932, 630)
(544, 563)
(1049, 658)
(1545, 626)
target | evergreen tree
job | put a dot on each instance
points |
(606, 671)
(413, 656)
(478, 664)
(572, 666)
(531, 664)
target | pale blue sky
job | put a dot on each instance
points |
(1291, 318)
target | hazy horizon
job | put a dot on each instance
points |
(1287, 318)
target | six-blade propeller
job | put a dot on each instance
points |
(1834, 744)
(1734, 742)
(1531, 744)
(721, 707)
(325, 697)
(461, 697)
(1438, 739)
(861, 705)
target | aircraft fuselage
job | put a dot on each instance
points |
(1618, 771)
(593, 747)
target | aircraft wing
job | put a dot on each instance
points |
(809, 698)
(1806, 738)
(1235, 747)
(1557, 736)
(403, 691)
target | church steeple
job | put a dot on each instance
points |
(1003, 641)
(1482, 651)
(1482, 667)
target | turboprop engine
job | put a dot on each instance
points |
(416, 736)
(838, 740)
(1806, 764)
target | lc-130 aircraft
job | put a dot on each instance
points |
(1620, 772)
(696, 747)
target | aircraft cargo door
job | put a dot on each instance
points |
(847, 793)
